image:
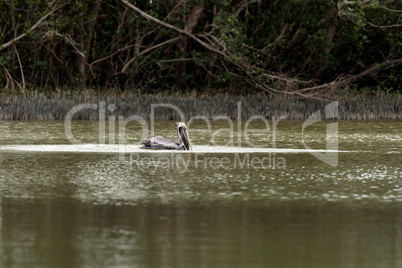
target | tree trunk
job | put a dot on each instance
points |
(181, 65)
(14, 27)
(91, 26)
(84, 44)
(79, 59)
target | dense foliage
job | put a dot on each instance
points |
(231, 45)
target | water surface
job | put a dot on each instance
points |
(227, 204)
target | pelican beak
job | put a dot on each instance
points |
(184, 137)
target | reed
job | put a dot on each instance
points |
(56, 106)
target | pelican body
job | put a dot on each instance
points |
(163, 143)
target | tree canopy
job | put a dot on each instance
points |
(304, 47)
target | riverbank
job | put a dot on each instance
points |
(56, 106)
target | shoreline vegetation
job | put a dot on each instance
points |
(55, 106)
(277, 51)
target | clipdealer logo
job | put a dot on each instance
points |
(117, 125)
(330, 157)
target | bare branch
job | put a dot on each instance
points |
(384, 26)
(342, 81)
(111, 55)
(373, 69)
(169, 26)
(36, 25)
(69, 40)
(124, 69)
(22, 71)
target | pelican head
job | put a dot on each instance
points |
(183, 136)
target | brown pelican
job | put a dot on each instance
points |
(163, 143)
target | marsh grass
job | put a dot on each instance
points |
(55, 106)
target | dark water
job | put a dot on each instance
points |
(222, 206)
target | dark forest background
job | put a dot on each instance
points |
(294, 47)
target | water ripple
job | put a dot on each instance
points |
(116, 148)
